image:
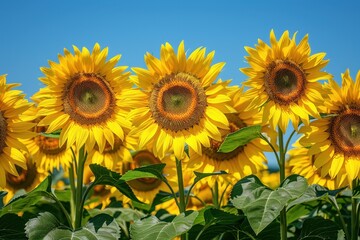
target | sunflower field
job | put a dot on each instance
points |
(171, 151)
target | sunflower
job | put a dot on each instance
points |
(45, 151)
(12, 129)
(300, 162)
(146, 189)
(244, 160)
(284, 80)
(85, 98)
(334, 141)
(111, 156)
(177, 103)
(25, 179)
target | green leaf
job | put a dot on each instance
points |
(12, 227)
(28, 200)
(148, 171)
(315, 192)
(63, 195)
(322, 229)
(55, 134)
(104, 176)
(240, 138)
(38, 228)
(47, 226)
(124, 214)
(262, 205)
(152, 228)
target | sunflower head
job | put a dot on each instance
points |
(302, 163)
(335, 140)
(284, 79)
(26, 179)
(85, 98)
(13, 130)
(183, 104)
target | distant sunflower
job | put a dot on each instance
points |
(335, 140)
(244, 160)
(45, 151)
(300, 162)
(25, 180)
(84, 97)
(177, 103)
(12, 129)
(146, 189)
(111, 156)
(284, 79)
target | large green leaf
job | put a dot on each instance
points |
(262, 205)
(216, 222)
(316, 192)
(104, 176)
(322, 229)
(47, 226)
(12, 227)
(240, 138)
(152, 228)
(28, 200)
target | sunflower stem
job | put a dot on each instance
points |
(354, 213)
(181, 186)
(282, 153)
(79, 187)
(73, 194)
(182, 206)
(215, 193)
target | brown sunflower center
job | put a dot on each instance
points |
(178, 102)
(284, 82)
(345, 132)
(89, 99)
(235, 123)
(3, 128)
(25, 179)
(143, 158)
(47, 145)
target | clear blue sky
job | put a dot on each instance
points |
(33, 32)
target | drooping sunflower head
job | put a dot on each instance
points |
(182, 105)
(13, 130)
(85, 98)
(336, 139)
(284, 79)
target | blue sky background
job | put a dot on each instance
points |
(33, 32)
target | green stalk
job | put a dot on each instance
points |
(73, 194)
(182, 206)
(283, 224)
(215, 194)
(181, 186)
(354, 213)
(79, 187)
